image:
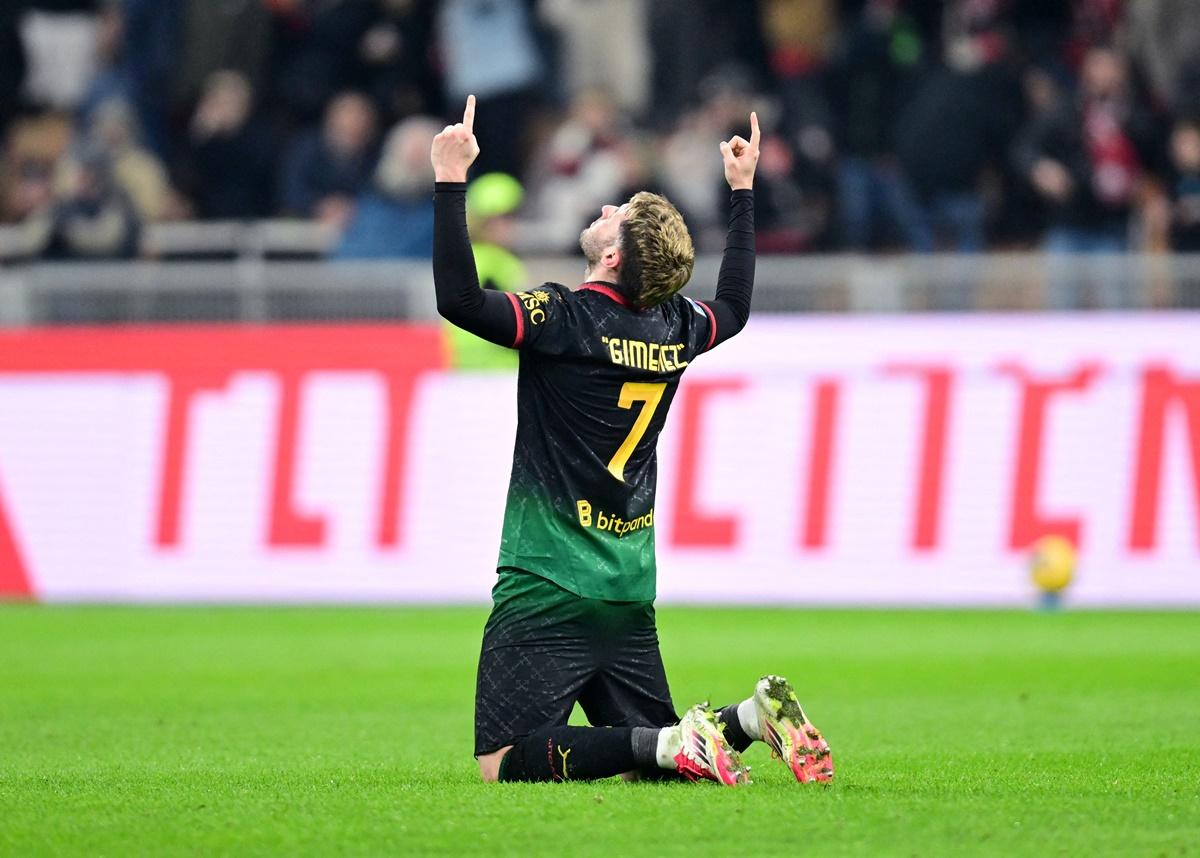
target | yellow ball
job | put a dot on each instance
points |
(1053, 563)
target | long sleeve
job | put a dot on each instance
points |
(485, 313)
(735, 282)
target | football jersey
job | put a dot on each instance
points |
(595, 383)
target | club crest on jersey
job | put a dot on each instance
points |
(533, 301)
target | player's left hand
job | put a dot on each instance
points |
(455, 148)
(741, 157)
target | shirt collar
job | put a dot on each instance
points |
(607, 289)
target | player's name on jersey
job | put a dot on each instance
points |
(602, 521)
(656, 357)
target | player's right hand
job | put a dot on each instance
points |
(455, 149)
(741, 157)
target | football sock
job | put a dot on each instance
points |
(741, 724)
(647, 746)
(748, 719)
(666, 746)
(570, 753)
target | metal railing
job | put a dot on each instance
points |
(190, 240)
(258, 289)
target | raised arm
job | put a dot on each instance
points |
(487, 314)
(735, 282)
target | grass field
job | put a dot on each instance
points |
(206, 731)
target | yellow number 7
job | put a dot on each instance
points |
(631, 392)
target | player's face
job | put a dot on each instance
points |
(604, 232)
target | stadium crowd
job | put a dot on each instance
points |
(888, 124)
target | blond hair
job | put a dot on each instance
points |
(656, 250)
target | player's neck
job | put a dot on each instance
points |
(600, 274)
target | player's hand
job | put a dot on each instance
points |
(741, 157)
(455, 149)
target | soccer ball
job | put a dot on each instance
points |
(1053, 564)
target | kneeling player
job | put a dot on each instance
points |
(573, 615)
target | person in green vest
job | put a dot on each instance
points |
(490, 199)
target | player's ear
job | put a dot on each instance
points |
(612, 257)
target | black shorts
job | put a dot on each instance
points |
(544, 649)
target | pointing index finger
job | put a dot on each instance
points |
(754, 132)
(469, 115)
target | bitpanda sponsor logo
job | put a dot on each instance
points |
(589, 517)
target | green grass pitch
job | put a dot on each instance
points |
(347, 731)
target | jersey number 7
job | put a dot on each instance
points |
(648, 394)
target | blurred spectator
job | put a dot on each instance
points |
(1087, 162)
(1018, 215)
(395, 218)
(230, 34)
(394, 52)
(1185, 187)
(320, 51)
(692, 177)
(110, 81)
(677, 38)
(1042, 27)
(227, 170)
(607, 42)
(137, 51)
(800, 36)
(858, 108)
(1086, 159)
(28, 187)
(153, 40)
(1043, 92)
(799, 33)
(489, 49)
(582, 167)
(325, 169)
(957, 125)
(59, 44)
(689, 40)
(92, 218)
(1093, 23)
(874, 72)
(33, 149)
(137, 171)
(1164, 42)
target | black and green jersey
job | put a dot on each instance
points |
(596, 379)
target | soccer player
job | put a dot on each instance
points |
(573, 606)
